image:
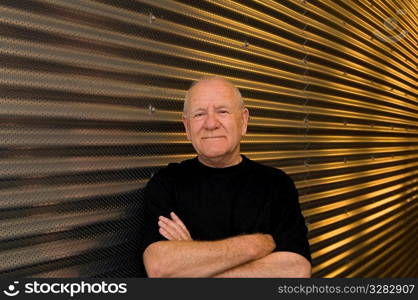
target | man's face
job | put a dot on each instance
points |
(215, 121)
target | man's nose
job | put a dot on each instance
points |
(212, 121)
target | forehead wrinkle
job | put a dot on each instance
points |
(220, 83)
(227, 105)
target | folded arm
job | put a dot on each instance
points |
(201, 258)
(180, 256)
(274, 265)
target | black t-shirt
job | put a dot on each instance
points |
(217, 203)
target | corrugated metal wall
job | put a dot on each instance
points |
(90, 105)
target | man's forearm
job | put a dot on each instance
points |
(274, 265)
(204, 258)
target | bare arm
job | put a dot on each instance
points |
(204, 259)
(274, 265)
(180, 256)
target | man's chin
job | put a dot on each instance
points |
(214, 155)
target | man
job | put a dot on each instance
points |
(221, 214)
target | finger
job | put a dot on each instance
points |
(174, 235)
(179, 222)
(165, 234)
(171, 227)
(174, 227)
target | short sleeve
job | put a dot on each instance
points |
(288, 224)
(158, 202)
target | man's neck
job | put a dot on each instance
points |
(220, 162)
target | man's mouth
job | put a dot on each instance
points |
(212, 137)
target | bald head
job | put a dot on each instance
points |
(214, 81)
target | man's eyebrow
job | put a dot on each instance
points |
(222, 106)
(198, 109)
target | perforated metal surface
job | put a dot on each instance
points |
(90, 106)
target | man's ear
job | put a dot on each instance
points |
(245, 119)
(186, 126)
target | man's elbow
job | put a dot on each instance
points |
(303, 270)
(155, 261)
(154, 271)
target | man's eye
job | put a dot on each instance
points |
(198, 115)
(223, 111)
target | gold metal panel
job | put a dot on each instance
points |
(91, 96)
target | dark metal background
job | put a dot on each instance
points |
(90, 106)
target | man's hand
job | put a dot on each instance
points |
(173, 229)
